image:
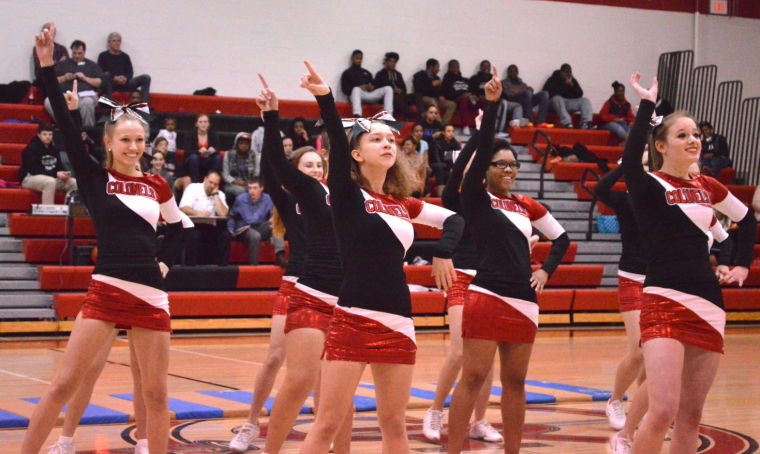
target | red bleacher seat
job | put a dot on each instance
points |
(11, 152)
(576, 276)
(735, 299)
(608, 152)
(727, 176)
(524, 136)
(573, 171)
(541, 252)
(49, 250)
(556, 300)
(583, 195)
(261, 276)
(17, 132)
(595, 300)
(9, 172)
(21, 224)
(23, 112)
(22, 199)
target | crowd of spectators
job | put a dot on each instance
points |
(221, 189)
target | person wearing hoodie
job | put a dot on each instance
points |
(616, 115)
(356, 84)
(41, 167)
(516, 90)
(566, 95)
(239, 166)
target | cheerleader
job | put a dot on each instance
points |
(311, 164)
(373, 218)
(312, 300)
(127, 284)
(500, 310)
(465, 261)
(682, 317)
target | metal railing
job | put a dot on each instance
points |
(544, 156)
(584, 177)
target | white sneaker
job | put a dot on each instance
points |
(482, 430)
(142, 446)
(244, 436)
(431, 424)
(620, 444)
(62, 448)
(615, 413)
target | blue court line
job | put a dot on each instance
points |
(10, 420)
(596, 394)
(93, 414)
(184, 409)
(530, 398)
(245, 397)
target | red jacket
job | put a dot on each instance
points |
(614, 110)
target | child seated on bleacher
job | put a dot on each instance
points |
(170, 134)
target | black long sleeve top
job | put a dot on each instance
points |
(374, 231)
(466, 254)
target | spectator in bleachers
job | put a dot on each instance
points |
(616, 115)
(287, 145)
(240, 166)
(418, 133)
(200, 147)
(456, 88)
(356, 83)
(428, 90)
(209, 240)
(756, 202)
(432, 128)
(390, 77)
(516, 90)
(418, 163)
(118, 74)
(441, 157)
(566, 95)
(60, 53)
(169, 132)
(506, 108)
(715, 154)
(299, 134)
(158, 161)
(41, 166)
(88, 75)
(249, 219)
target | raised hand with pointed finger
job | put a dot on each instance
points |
(648, 94)
(267, 99)
(44, 47)
(493, 87)
(72, 97)
(314, 82)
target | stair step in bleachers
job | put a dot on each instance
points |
(21, 313)
(17, 132)
(573, 171)
(10, 245)
(524, 136)
(23, 112)
(609, 152)
(18, 285)
(12, 299)
(11, 153)
(597, 258)
(18, 271)
(11, 257)
(521, 186)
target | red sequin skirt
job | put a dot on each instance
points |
(456, 294)
(367, 336)
(122, 306)
(307, 311)
(701, 324)
(630, 294)
(283, 297)
(497, 318)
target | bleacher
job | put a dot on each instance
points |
(42, 291)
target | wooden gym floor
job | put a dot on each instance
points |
(575, 424)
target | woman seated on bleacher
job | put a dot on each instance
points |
(41, 167)
(201, 154)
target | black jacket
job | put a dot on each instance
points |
(478, 82)
(555, 85)
(190, 142)
(454, 86)
(353, 77)
(718, 145)
(394, 79)
(423, 85)
(36, 159)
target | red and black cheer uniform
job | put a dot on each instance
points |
(682, 298)
(286, 207)
(373, 320)
(127, 288)
(501, 304)
(313, 297)
(465, 256)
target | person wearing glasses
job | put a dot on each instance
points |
(500, 310)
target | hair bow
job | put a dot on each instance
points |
(361, 125)
(655, 121)
(135, 109)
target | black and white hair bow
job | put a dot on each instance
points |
(135, 109)
(362, 125)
